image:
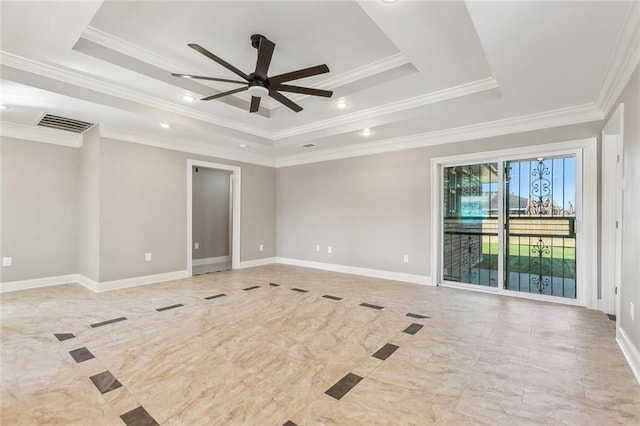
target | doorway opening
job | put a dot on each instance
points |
(213, 217)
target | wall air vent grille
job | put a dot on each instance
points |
(63, 123)
(309, 145)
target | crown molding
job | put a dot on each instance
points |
(548, 119)
(90, 83)
(625, 60)
(192, 147)
(40, 134)
(417, 101)
(122, 46)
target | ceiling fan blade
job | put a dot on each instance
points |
(285, 101)
(303, 90)
(221, 61)
(255, 104)
(295, 75)
(200, 77)
(219, 95)
(265, 52)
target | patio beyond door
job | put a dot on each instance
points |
(510, 225)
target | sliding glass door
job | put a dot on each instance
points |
(510, 225)
(470, 228)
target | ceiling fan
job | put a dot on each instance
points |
(258, 83)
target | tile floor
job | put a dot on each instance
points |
(240, 347)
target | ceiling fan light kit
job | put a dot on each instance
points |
(258, 83)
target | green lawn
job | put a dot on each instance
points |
(522, 260)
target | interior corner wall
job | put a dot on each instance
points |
(630, 287)
(143, 209)
(39, 209)
(89, 206)
(372, 210)
(211, 214)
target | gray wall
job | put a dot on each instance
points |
(374, 209)
(143, 209)
(630, 287)
(39, 209)
(211, 215)
(89, 206)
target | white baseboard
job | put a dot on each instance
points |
(37, 283)
(211, 260)
(143, 280)
(374, 273)
(257, 262)
(630, 352)
(88, 283)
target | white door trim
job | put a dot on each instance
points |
(235, 207)
(611, 238)
(586, 206)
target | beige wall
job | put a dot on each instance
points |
(143, 209)
(89, 206)
(374, 209)
(630, 286)
(211, 215)
(39, 209)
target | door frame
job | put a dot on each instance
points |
(585, 151)
(612, 193)
(235, 182)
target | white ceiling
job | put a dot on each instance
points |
(410, 70)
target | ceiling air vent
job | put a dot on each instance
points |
(309, 145)
(63, 123)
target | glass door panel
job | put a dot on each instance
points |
(470, 224)
(540, 239)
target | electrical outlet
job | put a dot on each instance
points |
(196, 246)
(405, 259)
(261, 247)
(147, 257)
(329, 249)
(632, 312)
(317, 247)
(7, 261)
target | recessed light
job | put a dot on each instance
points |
(189, 98)
(366, 132)
(389, 1)
(244, 145)
(341, 105)
(165, 125)
(3, 107)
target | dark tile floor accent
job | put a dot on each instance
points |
(274, 285)
(300, 290)
(368, 305)
(138, 417)
(105, 382)
(64, 336)
(289, 423)
(166, 308)
(611, 317)
(328, 296)
(343, 386)
(215, 296)
(417, 316)
(251, 288)
(100, 324)
(81, 354)
(385, 351)
(413, 328)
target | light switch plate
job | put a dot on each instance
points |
(7, 261)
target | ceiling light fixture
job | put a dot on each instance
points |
(389, 1)
(244, 145)
(188, 98)
(366, 132)
(165, 125)
(258, 90)
(341, 105)
(3, 107)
